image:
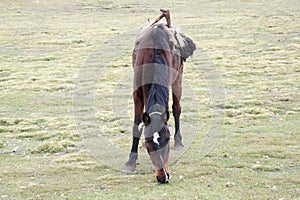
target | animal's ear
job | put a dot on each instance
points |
(165, 116)
(146, 119)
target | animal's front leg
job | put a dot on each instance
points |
(138, 110)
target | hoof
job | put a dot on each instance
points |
(129, 169)
(178, 146)
(131, 163)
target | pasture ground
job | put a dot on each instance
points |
(45, 45)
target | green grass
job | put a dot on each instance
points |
(46, 46)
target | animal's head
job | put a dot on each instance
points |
(157, 136)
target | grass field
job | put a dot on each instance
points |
(66, 108)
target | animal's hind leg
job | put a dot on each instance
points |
(176, 94)
(138, 110)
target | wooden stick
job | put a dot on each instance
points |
(166, 14)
